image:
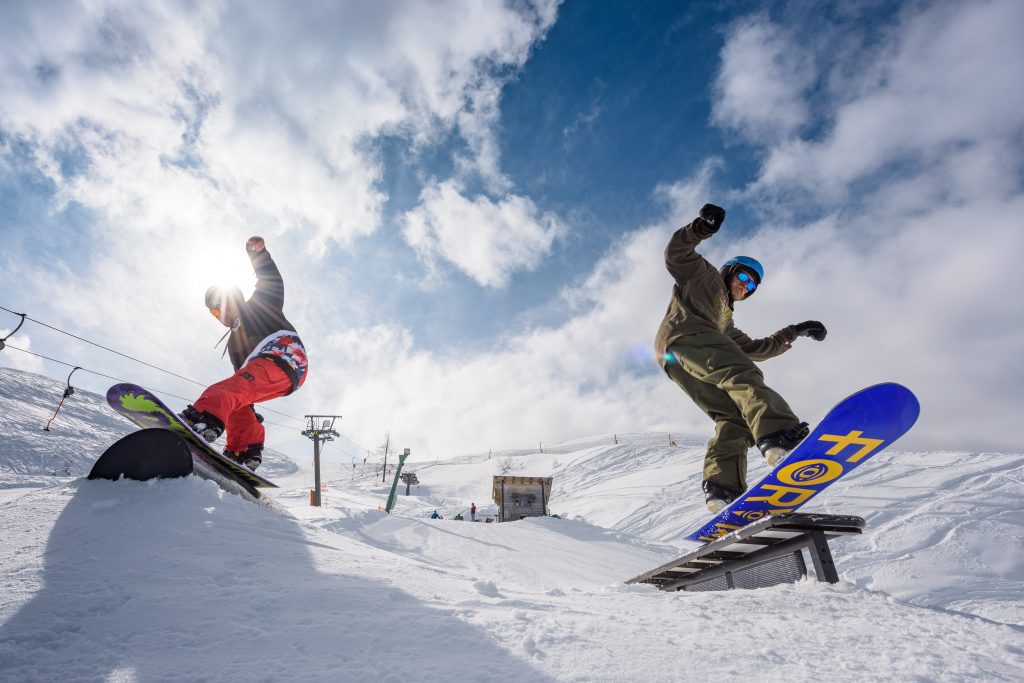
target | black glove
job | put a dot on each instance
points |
(811, 328)
(710, 220)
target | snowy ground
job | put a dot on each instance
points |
(176, 580)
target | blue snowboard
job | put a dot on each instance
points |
(858, 427)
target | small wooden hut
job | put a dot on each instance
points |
(519, 497)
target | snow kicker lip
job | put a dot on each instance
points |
(152, 453)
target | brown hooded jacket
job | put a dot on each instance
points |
(701, 302)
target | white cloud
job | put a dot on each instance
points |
(762, 81)
(947, 78)
(485, 239)
(478, 125)
(538, 386)
(15, 358)
(273, 111)
(686, 196)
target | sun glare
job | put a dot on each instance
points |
(221, 266)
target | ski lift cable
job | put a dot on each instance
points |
(335, 447)
(116, 379)
(105, 348)
(25, 317)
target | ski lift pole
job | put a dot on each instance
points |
(394, 484)
(319, 428)
(68, 390)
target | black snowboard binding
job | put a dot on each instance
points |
(717, 497)
(775, 445)
(206, 425)
(251, 457)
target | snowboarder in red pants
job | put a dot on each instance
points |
(267, 355)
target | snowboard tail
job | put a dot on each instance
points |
(147, 411)
(856, 429)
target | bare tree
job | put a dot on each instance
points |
(382, 451)
(507, 465)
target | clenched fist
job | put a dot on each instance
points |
(255, 245)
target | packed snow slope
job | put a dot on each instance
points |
(176, 579)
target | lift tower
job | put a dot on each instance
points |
(323, 432)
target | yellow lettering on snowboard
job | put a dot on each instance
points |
(854, 438)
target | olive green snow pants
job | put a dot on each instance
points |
(726, 384)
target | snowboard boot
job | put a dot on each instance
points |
(251, 457)
(775, 446)
(206, 425)
(717, 497)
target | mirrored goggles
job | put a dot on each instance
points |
(215, 312)
(747, 280)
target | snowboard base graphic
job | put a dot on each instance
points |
(857, 428)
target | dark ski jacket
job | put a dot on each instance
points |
(701, 303)
(263, 331)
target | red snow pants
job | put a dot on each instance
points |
(261, 379)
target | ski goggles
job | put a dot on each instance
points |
(215, 312)
(747, 280)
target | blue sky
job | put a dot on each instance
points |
(469, 200)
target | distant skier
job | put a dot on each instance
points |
(436, 516)
(703, 352)
(267, 355)
(472, 512)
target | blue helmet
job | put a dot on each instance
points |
(751, 264)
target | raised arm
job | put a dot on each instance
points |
(269, 284)
(680, 257)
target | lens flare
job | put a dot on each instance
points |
(641, 354)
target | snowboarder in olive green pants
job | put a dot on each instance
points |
(703, 352)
